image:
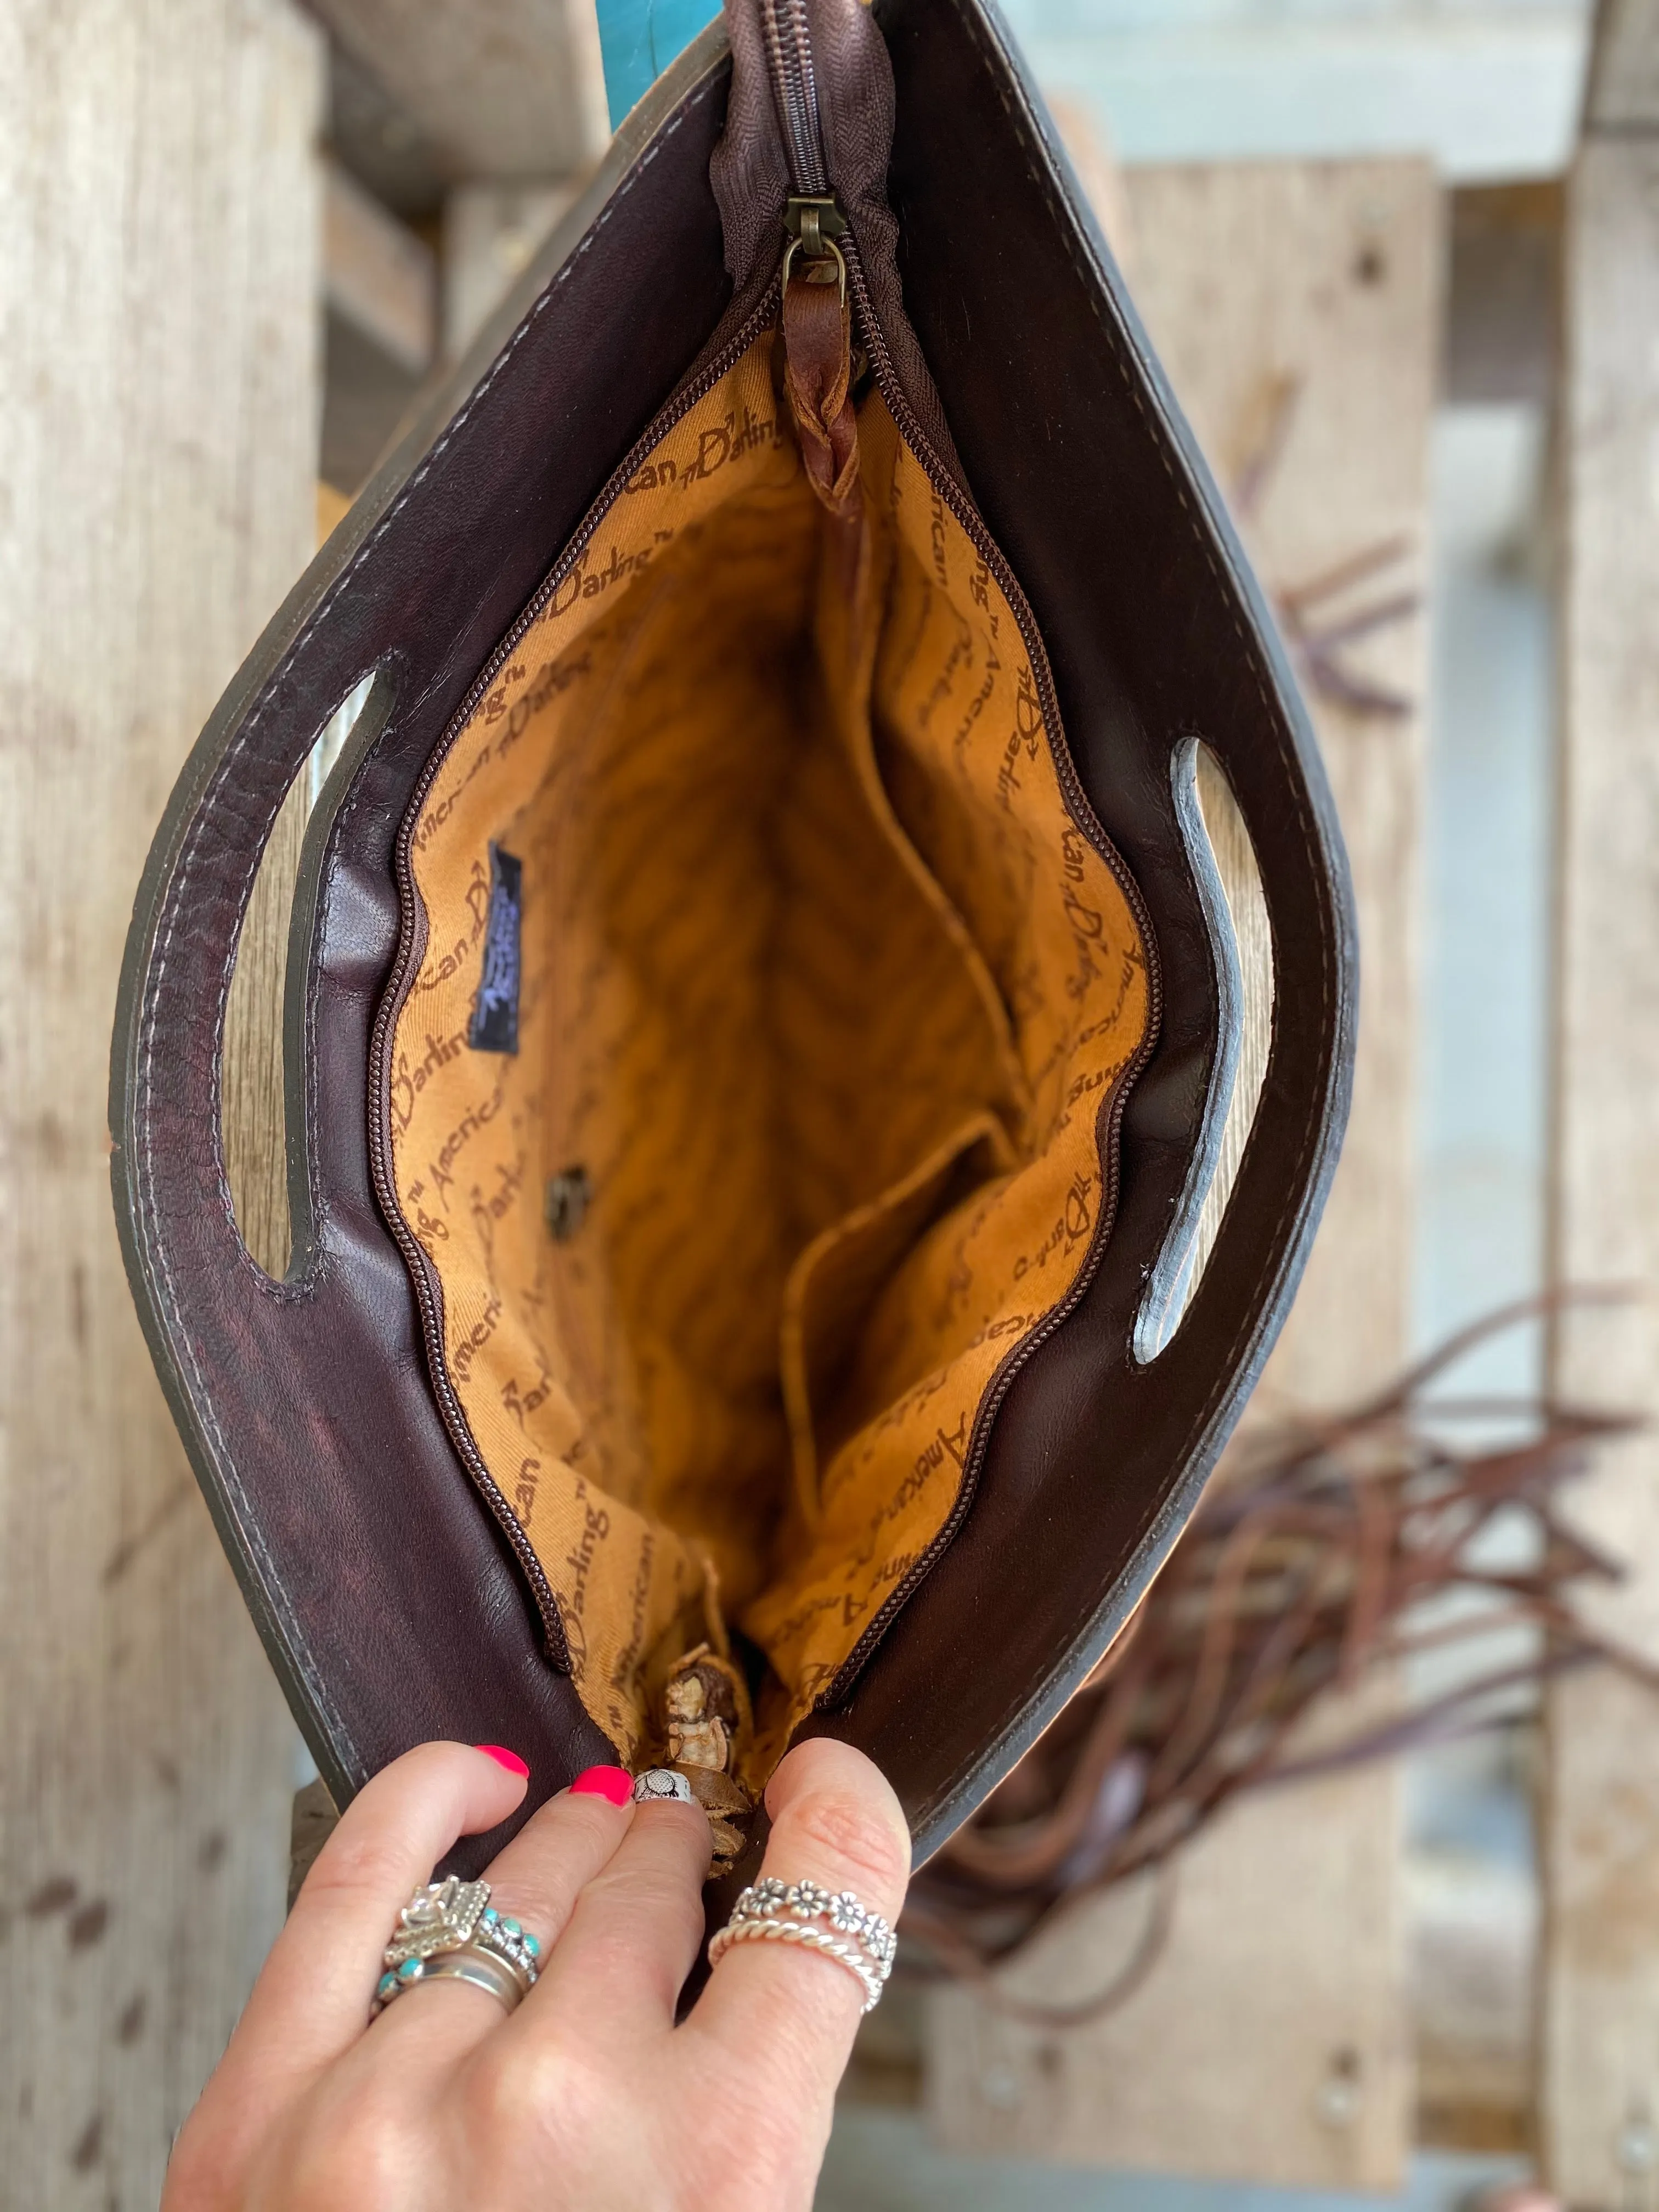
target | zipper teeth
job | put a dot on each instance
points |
(961, 507)
(412, 943)
(795, 85)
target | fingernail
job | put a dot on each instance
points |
(503, 1757)
(613, 1783)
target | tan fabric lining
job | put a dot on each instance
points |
(823, 987)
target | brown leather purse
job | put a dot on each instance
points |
(759, 1017)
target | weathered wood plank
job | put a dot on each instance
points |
(505, 88)
(1600, 2040)
(159, 278)
(379, 274)
(1503, 308)
(253, 1111)
(1622, 91)
(1298, 308)
(491, 235)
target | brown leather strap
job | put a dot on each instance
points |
(817, 338)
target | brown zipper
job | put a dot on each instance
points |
(788, 40)
(944, 484)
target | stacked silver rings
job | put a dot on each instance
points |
(450, 1931)
(818, 1919)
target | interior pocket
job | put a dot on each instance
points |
(819, 990)
(838, 1278)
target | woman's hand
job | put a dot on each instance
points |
(587, 2096)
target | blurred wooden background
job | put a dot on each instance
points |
(160, 272)
(241, 236)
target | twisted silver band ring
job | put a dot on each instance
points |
(813, 1939)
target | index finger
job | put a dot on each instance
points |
(785, 2014)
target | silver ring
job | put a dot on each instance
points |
(471, 1963)
(450, 1930)
(662, 1782)
(816, 1919)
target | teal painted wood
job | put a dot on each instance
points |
(638, 39)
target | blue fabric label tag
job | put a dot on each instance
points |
(495, 1026)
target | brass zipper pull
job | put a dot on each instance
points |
(814, 224)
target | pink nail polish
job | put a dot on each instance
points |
(503, 1757)
(614, 1783)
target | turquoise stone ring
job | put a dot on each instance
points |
(451, 1931)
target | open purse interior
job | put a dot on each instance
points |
(751, 1099)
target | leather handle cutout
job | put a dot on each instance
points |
(1230, 895)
